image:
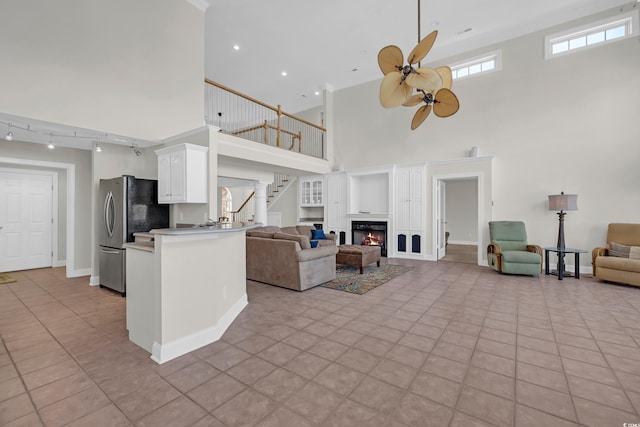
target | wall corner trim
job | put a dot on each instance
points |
(203, 5)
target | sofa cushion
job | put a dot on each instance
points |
(291, 230)
(521, 257)
(634, 252)
(302, 240)
(618, 250)
(264, 234)
(618, 263)
(305, 230)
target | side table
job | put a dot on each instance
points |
(561, 273)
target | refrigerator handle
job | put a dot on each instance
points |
(107, 251)
(109, 213)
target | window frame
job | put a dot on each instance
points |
(629, 20)
(495, 55)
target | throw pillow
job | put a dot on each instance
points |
(318, 234)
(634, 252)
(314, 244)
(618, 250)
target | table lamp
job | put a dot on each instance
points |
(562, 202)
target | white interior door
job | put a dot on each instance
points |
(25, 221)
(442, 218)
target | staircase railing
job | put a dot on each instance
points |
(274, 189)
(246, 211)
(246, 117)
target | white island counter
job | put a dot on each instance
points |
(185, 288)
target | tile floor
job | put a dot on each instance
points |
(446, 344)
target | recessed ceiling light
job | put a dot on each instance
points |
(236, 47)
(284, 73)
(317, 92)
(435, 23)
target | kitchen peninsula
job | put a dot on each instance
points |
(184, 288)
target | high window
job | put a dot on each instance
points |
(477, 65)
(594, 34)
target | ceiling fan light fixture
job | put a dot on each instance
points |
(433, 86)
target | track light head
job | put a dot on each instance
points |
(9, 136)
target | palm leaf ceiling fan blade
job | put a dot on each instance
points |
(414, 100)
(390, 59)
(445, 103)
(446, 76)
(419, 116)
(420, 51)
(393, 90)
(426, 79)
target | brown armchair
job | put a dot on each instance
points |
(616, 261)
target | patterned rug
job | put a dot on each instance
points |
(6, 278)
(349, 279)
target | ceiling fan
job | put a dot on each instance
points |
(433, 86)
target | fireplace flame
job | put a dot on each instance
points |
(372, 240)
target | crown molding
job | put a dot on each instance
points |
(203, 5)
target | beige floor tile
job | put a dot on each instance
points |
(493, 363)
(536, 358)
(377, 395)
(490, 382)
(279, 353)
(359, 360)
(307, 365)
(436, 388)
(487, 407)
(192, 376)
(218, 390)
(601, 393)
(529, 417)
(74, 407)
(283, 417)
(179, 412)
(543, 377)
(14, 408)
(340, 379)
(247, 408)
(228, 358)
(591, 372)
(146, 400)
(251, 370)
(463, 420)
(328, 349)
(314, 402)
(593, 414)
(546, 400)
(107, 416)
(414, 410)
(446, 368)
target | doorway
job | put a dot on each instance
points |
(457, 216)
(28, 219)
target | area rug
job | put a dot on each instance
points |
(6, 278)
(349, 279)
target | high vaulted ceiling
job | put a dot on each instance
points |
(335, 43)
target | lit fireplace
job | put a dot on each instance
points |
(370, 233)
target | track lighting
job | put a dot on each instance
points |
(134, 147)
(98, 148)
(9, 135)
(50, 146)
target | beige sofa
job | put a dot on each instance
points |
(284, 257)
(619, 260)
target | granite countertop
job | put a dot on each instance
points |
(203, 229)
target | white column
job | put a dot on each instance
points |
(260, 203)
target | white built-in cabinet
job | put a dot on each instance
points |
(182, 174)
(336, 205)
(311, 200)
(409, 231)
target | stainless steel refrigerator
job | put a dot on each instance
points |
(129, 205)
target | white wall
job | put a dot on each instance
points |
(287, 204)
(462, 211)
(567, 124)
(127, 67)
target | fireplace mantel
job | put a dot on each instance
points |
(369, 216)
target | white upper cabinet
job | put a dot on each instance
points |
(311, 191)
(182, 174)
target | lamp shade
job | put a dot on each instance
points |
(563, 202)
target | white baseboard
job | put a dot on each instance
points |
(162, 353)
(60, 263)
(94, 281)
